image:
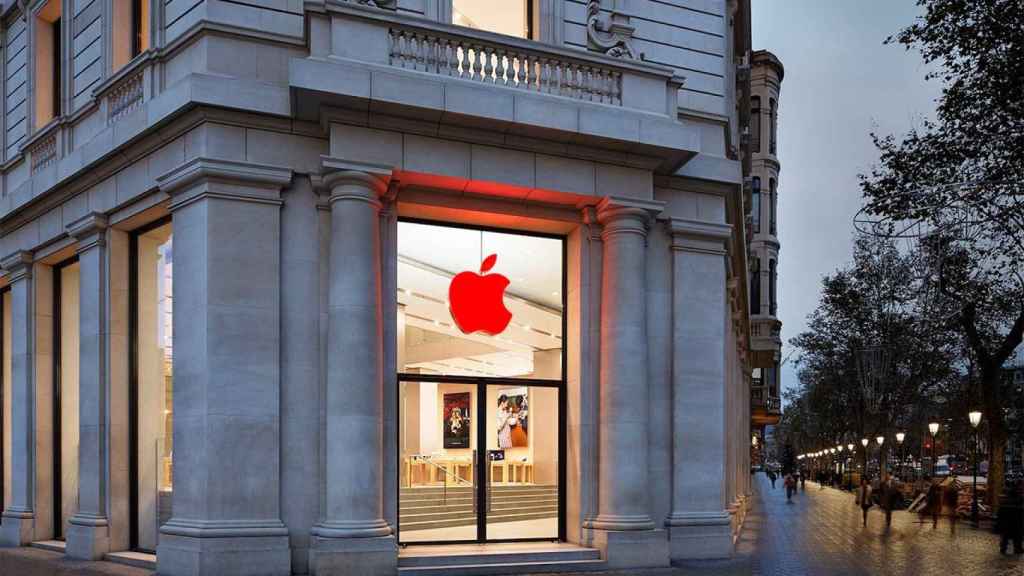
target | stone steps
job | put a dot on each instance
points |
(487, 560)
(425, 508)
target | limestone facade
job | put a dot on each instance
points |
(283, 142)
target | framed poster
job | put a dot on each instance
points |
(513, 418)
(456, 420)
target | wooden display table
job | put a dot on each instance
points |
(427, 470)
(511, 472)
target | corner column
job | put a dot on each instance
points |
(88, 535)
(699, 524)
(623, 528)
(226, 517)
(353, 537)
(17, 525)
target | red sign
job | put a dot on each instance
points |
(476, 301)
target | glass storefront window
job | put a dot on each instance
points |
(153, 459)
(66, 396)
(492, 329)
(511, 17)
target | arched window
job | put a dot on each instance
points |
(772, 126)
(773, 199)
(755, 201)
(755, 288)
(772, 287)
(755, 124)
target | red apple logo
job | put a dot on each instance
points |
(476, 301)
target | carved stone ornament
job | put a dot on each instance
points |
(387, 4)
(611, 34)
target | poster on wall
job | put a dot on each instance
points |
(513, 418)
(456, 420)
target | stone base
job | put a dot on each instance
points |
(630, 548)
(87, 542)
(700, 536)
(16, 529)
(371, 556)
(223, 556)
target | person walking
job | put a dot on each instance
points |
(790, 483)
(934, 500)
(864, 497)
(803, 480)
(951, 495)
(1010, 522)
(888, 498)
(771, 476)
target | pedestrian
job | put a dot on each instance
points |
(934, 499)
(1010, 523)
(803, 480)
(952, 497)
(864, 497)
(790, 483)
(771, 476)
(888, 498)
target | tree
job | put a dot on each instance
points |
(959, 178)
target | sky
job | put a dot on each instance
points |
(841, 83)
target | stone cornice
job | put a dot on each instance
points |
(228, 179)
(17, 265)
(89, 230)
(697, 236)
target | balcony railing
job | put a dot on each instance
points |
(759, 398)
(503, 65)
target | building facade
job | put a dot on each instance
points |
(287, 285)
(765, 328)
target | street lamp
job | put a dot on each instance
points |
(900, 436)
(933, 429)
(849, 448)
(880, 440)
(975, 418)
(864, 443)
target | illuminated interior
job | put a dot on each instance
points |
(502, 16)
(68, 341)
(444, 462)
(155, 382)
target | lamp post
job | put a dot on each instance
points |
(864, 443)
(975, 418)
(849, 448)
(900, 436)
(842, 465)
(933, 429)
(880, 440)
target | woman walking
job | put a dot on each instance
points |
(864, 497)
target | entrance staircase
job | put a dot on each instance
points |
(487, 559)
(427, 507)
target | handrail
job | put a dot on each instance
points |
(444, 491)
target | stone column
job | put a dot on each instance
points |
(226, 517)
(17, 525)
(353, 536)
(88, 535)
(699, 524)
(623, 528)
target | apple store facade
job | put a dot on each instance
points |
(259, 318)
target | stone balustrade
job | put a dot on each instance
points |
(125, 96)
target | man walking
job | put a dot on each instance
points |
(790, 483)
(771, 476)
(934, 499)
(888, 498)
(864, 497)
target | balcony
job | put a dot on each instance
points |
(764, 408)
(375, 66)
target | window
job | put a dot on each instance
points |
(772, 287)
(131, 30)
(152, 388)
(755, 208)
(511, 17)
(772, 201)
(48, 52)
(755, 288)
(480, 385)
(773, 124)
(757, 380)
(755, 124)
(5, 397)
(65, 394)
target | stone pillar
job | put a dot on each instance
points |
(88, 535)
(17, 525)
(353, 537)
(226, 517)
(699, 525)
(623, 528)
